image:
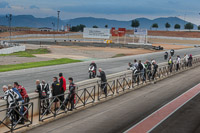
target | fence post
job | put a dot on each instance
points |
(84, 95)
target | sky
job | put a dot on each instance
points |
(111, 9)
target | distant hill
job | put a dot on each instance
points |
(144, 22)
(31, 21)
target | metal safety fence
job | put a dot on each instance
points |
(17, 117)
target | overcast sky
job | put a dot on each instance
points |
(110, 9)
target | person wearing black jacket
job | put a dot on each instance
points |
(71, 95)
(41, 89)
(103, 80)
(55, 91)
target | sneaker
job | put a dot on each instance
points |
(21, 122)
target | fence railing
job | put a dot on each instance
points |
(86, 94)
(15, 115)
(101, 90)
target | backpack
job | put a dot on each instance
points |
(16, 94)
(43, 93)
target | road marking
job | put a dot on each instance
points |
(157, 117)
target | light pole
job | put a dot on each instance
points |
(58, 21)
(9, 17)
(53, 30)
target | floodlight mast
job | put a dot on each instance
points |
(9, 17)
(58, 21)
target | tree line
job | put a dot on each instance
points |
(188, 26)
(135, 24)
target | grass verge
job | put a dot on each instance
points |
(29, 52)
(118, 55)
(4, 68)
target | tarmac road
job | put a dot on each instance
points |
(120, 113)
(79, 71)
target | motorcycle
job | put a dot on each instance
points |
(92, 72)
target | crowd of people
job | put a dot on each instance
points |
(17, 94)
(143, 70)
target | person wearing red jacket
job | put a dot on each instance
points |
(24, 95)
(63, 84)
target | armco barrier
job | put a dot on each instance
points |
(90, 91)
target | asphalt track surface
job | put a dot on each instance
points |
(79, 71)
(121, 113)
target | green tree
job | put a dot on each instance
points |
(95, 26)
(135, 23)
(199, 27)
(177, 26)
(106, 26)
(167, 25)
(189, 26)
(78, 28)
(155, 25)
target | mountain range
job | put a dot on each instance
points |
(31, 21)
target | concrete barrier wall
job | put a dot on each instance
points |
(44, 35)
(174, 38)
(85, 44)
(12, 49)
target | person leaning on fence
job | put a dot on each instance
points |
(24, 95)
(71, 96)
(19, 101)
(63, 84)
(55, 91)
(11, 102)
(170, 63)
(103, 81)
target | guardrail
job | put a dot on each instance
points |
(14, 115)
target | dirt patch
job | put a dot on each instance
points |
(7, 60)
(94, 52)
(170, 46)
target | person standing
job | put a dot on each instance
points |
(186, 60)
(148, 69)
(63, 84)
(190, 60)
(135, 64)
(71, 95)
(103, 81)
(178, 62)
(170, 63)
(155, 67)
(24, 95)
(141, 69)
(55, 91)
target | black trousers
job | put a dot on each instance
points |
(154, 74)
(104, 88)
(70, 99)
